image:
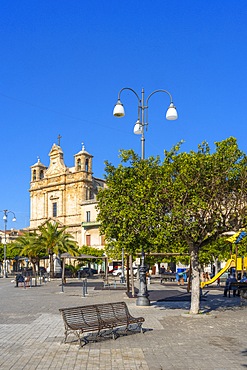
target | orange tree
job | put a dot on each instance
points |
(188, 200)
(206, 196)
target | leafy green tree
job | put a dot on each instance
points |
(91, 251)
(205, 194)
(129, 207)
(184, 203)
(55, 240)
(216, 251)
(10, 251)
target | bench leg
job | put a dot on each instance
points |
(139, 326)
(114, 335)
(65, 336)
(136, 326)
(77, 334)
(84, 339)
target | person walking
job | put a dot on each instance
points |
(233, 288)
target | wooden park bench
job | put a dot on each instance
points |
(241, 287)
(167, 276)
(98, 318)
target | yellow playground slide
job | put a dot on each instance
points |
(230, 263)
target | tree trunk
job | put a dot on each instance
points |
(34, 271)
(51, 266)
(195, 280)
(189, 279)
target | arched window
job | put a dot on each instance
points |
(86, 165)
(41, 174)
(79, 164)
(34, 175)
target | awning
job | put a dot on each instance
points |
(81, 256)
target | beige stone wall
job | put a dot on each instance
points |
(91, 228)
(70, 188)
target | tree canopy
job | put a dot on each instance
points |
(51, 238)
(54, 239)
(183, 203)
(129, 207)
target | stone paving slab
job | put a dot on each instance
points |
(32, 333)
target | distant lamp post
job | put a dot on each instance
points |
(5, 218)
(139, 129)
(122, 278)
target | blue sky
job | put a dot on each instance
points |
(64, 61)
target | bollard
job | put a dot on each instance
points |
(30, 282)
(79, 275)
(115, 284)
(86, 286)
(149, 280)
(83, 289)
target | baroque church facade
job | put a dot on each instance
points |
(66, 195)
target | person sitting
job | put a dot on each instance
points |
(244, 278)
(162, 270)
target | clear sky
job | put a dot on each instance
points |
(64, 61)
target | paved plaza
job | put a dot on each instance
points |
(32, 331)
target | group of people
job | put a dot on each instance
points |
(232, 279)
(205, 276)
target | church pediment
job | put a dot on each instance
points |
(57, 165)
(56, 168)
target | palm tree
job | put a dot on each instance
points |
(54, 239)
(28, 245)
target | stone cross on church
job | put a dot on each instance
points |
(58, 139)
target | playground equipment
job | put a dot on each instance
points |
(239, 263)
(230, 263)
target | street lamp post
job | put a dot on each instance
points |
(139, 129)
(5, 218)
(140, 124)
